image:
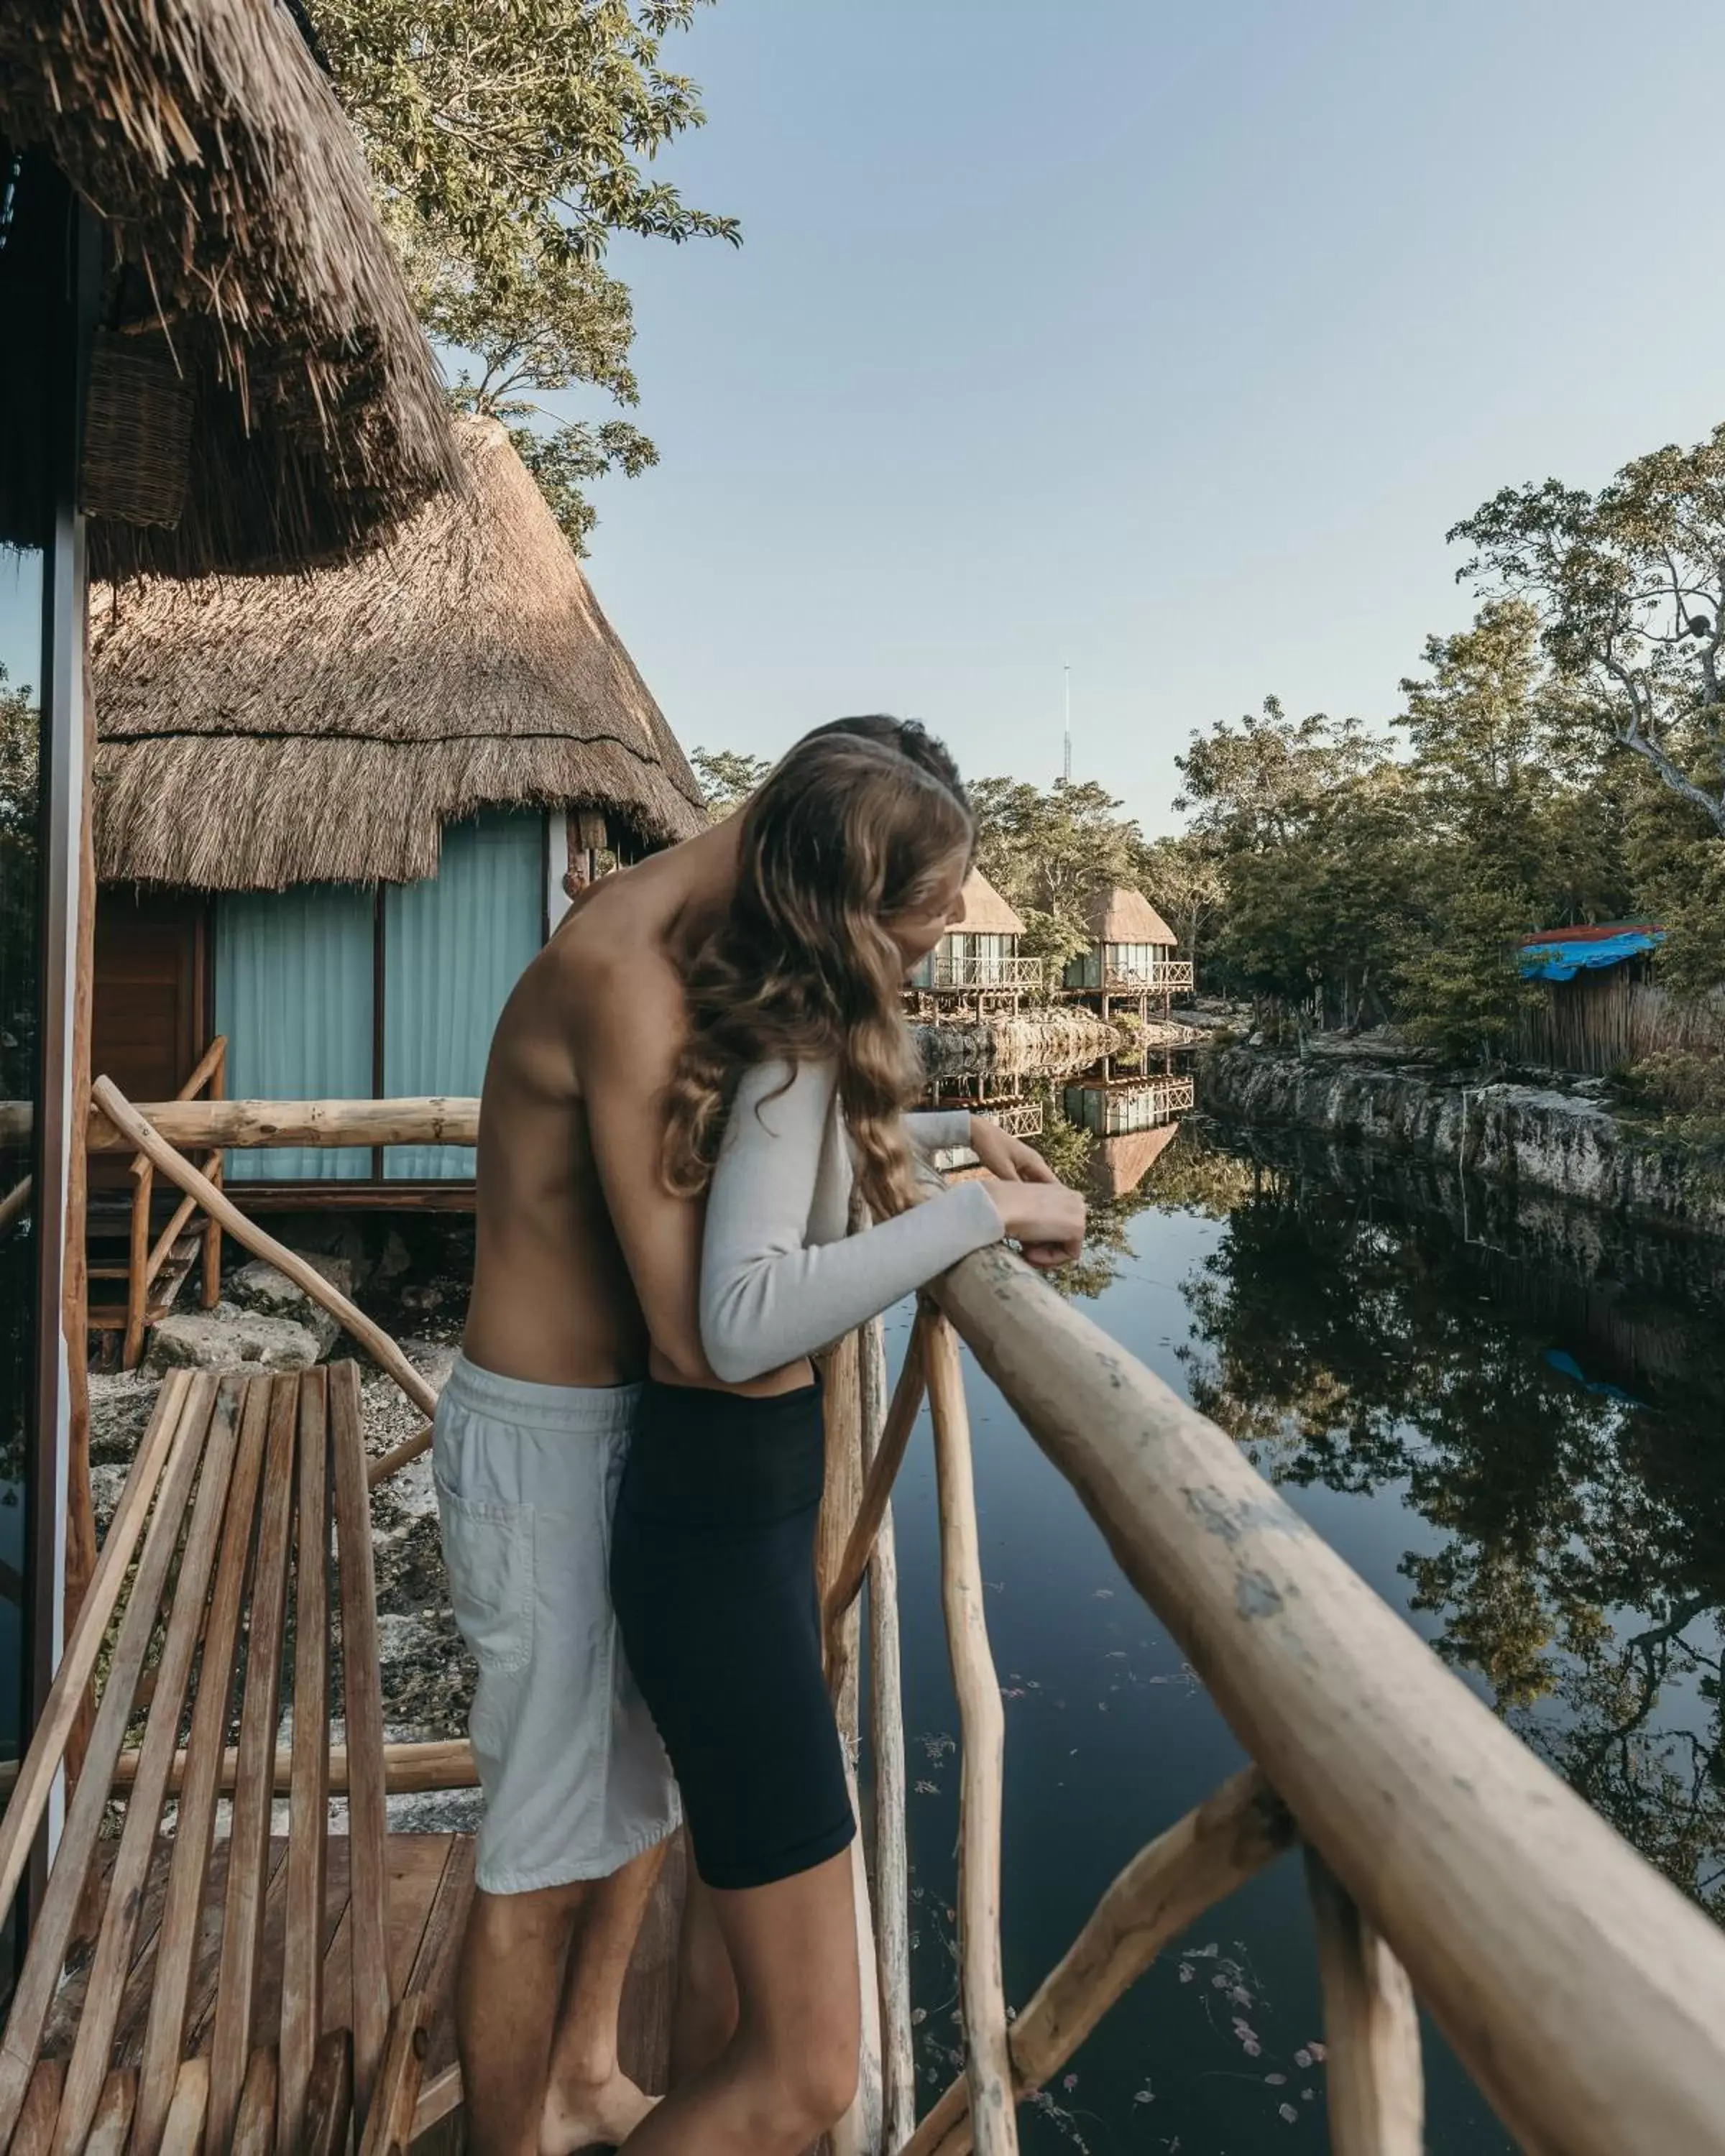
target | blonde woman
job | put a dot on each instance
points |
(791, 1085)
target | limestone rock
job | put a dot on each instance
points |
(229, 1339)
(259, 1287)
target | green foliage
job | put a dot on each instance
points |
(1050, 851)
(727, 777)
(1629, 585)
(508, 140)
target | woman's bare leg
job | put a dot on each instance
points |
(789, 2072)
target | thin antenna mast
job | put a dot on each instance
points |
(1066, 766)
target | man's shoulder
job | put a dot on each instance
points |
(619, 982)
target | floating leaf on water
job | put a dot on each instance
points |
(1186, 1972)
(1275, 2080)
(1105, 1594)
(1143, 2096)
(1302, 2058)
(1252, 2048)
(1286, 2110)
(1318, 2052)
(1069, 2082)
(919, 2015)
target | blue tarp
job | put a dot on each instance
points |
(1563, 961)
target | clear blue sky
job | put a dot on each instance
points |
(1169, 341)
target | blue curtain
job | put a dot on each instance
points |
(294, 997)
(454, 948)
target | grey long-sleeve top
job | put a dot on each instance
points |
(779, 1275)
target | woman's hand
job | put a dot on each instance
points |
(1007, 1158)
(1044, 1218)
(1041, 1216)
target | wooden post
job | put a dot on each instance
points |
(886, 1725)
(1376, 2084)
(80, 1510)
(137, 1264)
(216, 1169)
(982, 1726)
(842, 1404)
(887, 1452)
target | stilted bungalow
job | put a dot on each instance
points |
(978, 963)
(337, 814)
(1131, 958)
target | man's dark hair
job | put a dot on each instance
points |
(911, 739)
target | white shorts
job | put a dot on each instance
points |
(575, 1779)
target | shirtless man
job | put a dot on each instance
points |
(586, 1278)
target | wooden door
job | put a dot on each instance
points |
(151, 1019)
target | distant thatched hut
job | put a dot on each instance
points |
(335, 814)
(1131, 947)
(983, 952)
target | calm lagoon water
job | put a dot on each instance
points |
(1508, 1424)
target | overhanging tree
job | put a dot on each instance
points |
(508, 140)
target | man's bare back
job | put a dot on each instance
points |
(569, 1197)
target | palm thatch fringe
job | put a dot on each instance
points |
(203, 134)
(259, 732)
(986, 912)
(1121, 916)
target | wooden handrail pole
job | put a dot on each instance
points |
(982, 1726)
(880, 1474)
(200, 1125)
(377, 1343)
(137, 1263)
(1233, 1836)
(886, 1732)
(392, 1462)
(215, 1169)
(1376, 2078)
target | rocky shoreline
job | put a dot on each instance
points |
(1546, 1131)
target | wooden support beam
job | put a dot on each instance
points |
(178, 1169)
(983, 1727)
(1231, 1838)
(219, 1124)
(1375, 2080)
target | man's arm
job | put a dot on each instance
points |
(631, 1028)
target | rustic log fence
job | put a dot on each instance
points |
(1444, 1862)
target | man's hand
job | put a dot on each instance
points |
(1007, 1158)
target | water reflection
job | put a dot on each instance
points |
(1550, 1403)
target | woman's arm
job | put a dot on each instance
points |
(939, 1130)
(768, 1296)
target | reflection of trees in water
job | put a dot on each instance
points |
(1187, 1176)
(1582, 1568)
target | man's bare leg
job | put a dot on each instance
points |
(588, 2098)
(705, 2018)
(523, 1957)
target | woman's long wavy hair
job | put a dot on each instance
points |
(852, 830)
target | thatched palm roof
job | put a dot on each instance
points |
(262, 394)
(1127, 917)
(986, 912)
(259, 732)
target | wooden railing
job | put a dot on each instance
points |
(1022, 974)
(1583, 1992)
(146, 1258)
(1139, 980)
